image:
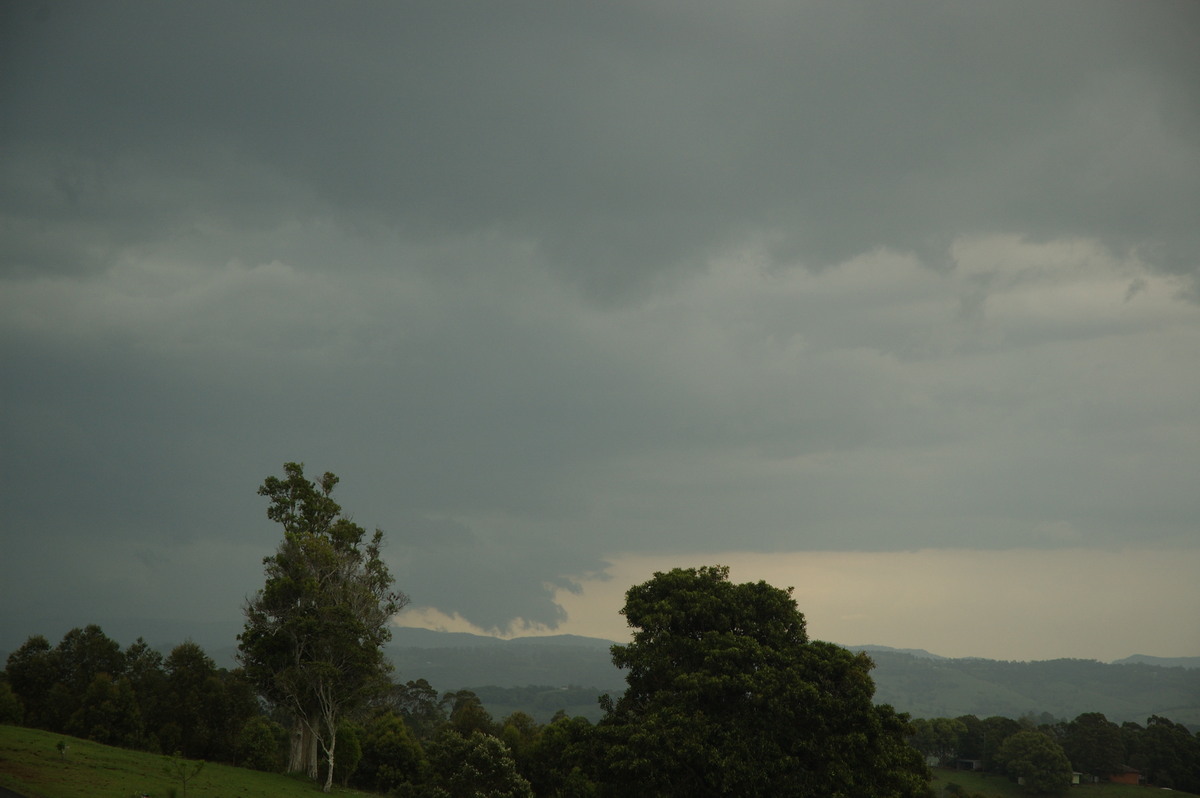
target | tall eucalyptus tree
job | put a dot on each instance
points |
(313, 637)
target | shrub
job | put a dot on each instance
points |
(258, 744)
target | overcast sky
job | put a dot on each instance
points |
(897, 303)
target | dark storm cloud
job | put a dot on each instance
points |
(545, 283)
(625, 140)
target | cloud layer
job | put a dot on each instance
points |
(548, 286)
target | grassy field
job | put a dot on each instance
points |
(31, 765)
(994, 786)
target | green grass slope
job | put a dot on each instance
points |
(31, 765)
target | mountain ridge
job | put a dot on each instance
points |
(219, 640)
(915, 681)
(419, 637)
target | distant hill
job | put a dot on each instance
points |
(1064, 688)
(915, 681)
(415, 637)
(916, 652)
(1163, 662)
(459, 663)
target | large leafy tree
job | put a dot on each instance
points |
(563, 760)
(81, 656)
(467, 713)
(982, 738)
(938, 737)
(1037, 761)
(313, 637)
(997, 729)
(108, 713)
(1166, 753)
(85, 653)
(51, 681)
(421, 707)
(32, 671)
(147, 676)
(193, 691)
(208, 705)
(1093, 744)
(727, 696)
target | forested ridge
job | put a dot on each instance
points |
(923, 686)
(1061, 687)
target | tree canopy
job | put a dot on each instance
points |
(313, 637)
(727, 696)
(1093, 744)
(1037, 761)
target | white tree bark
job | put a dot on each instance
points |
(329, 759)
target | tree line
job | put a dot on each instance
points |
(726, 695)
(410, 737)
(87, 686)
(1046, 752)
(407, 738)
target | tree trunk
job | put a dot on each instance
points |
(329, 755)
(302, 754)
(313, 761)
(296, 747)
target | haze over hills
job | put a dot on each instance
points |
(916, 681)
(916, 652)
(1165, 662)
(415, 637)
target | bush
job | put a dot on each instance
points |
(1037, 761)
(465, 767)
(258, 744)
(391, 755)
